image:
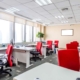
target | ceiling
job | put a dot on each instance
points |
(46, 14)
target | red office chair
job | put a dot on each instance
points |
(9, 53)
(56, 43)
(69, 59)
(37, 52)
(8, 61)
(74, 44)
(69, 46)
(49, 48)
(49, 43)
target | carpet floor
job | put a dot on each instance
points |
(21, 68)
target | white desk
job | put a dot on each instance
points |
(48, 71)
(21, 54)
(3, 48)
(43, 48)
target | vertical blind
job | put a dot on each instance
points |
(19, 32)
(5, 31)
(29, 33)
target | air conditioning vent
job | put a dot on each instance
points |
(64, 9)
(70, 17)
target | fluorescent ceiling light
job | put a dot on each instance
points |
(43, 2)
(49, 1)
(37, 1)
(64, 21)
(12, 10)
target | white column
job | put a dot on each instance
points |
(27, 59)
(44, 51)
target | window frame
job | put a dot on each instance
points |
(67, 34)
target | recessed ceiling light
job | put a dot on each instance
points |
(64, 21)
(12, 10)
(43, 2)
(59, 16)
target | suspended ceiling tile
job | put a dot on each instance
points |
(49, 7)
(12, 3)
(24, 1)
(57, 1)
(75, 2)
(32, 4)
(63, 4)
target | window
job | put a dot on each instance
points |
(67, 32)
(29, 31)
(35, 31)
(19, 33)
(5, 31)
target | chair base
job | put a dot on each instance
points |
(35, 58)
(2, 70)
(49, 53)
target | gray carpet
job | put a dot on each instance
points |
(21, 68)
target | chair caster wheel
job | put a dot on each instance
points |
(10, 69)
(10, 75)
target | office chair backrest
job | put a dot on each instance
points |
(7, 49)
(69, 59)
(72, 45)
(38, 47)
(75, 44)
(56, 43)
(9, 52)
(49, 43)
(69, 46)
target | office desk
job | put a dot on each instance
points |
(44, 46)
(48, 71)
(21, 54)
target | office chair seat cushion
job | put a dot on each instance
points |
(48, 49)
(34, 52)
(3, 58)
